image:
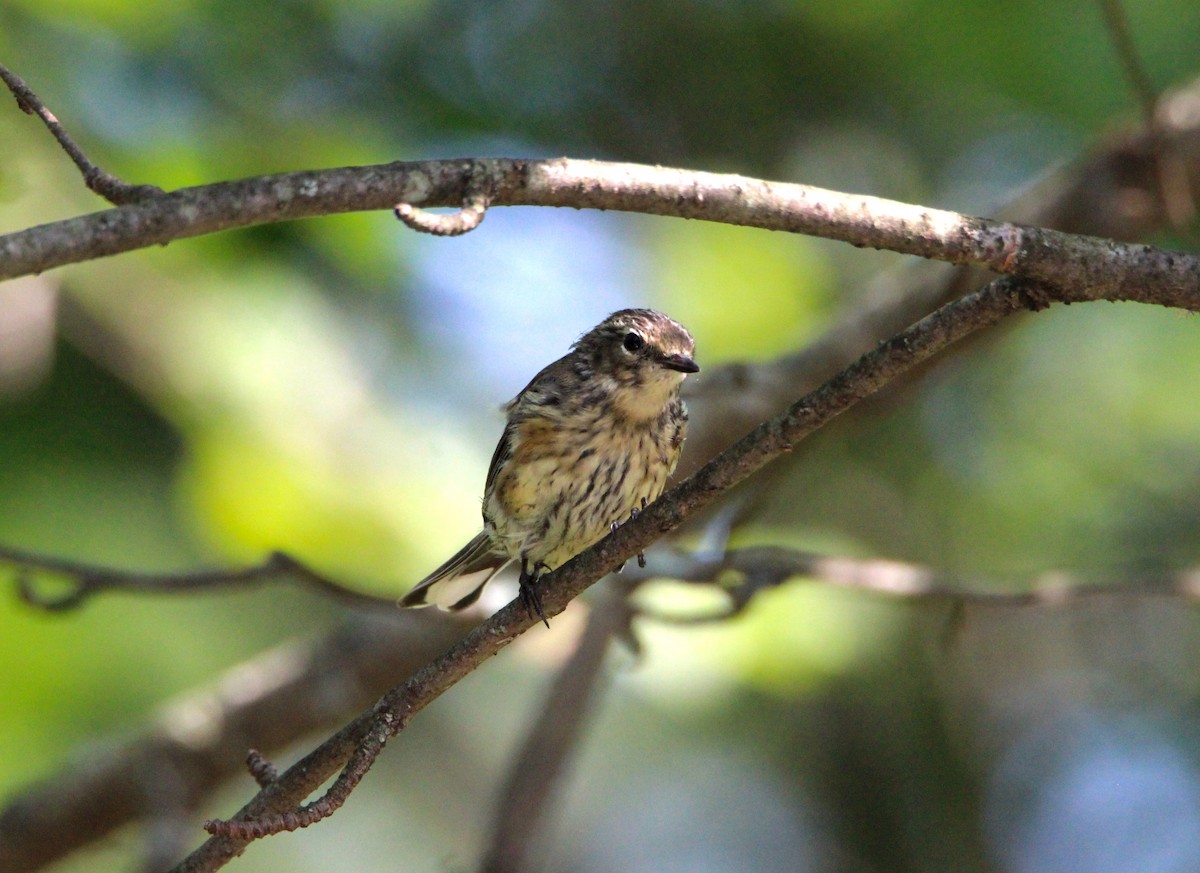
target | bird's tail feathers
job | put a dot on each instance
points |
(457, 583)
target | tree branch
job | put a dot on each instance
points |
(1174, 191)
(97, 180)
(87, 580)
(363, 738)
(757, 568)
(117, 230)
(536, 769)
(1036, 253)
(200, 740)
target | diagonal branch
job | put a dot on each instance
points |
(534, 774)
(269, 810)
(99, 181)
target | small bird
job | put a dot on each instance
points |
(588, 443)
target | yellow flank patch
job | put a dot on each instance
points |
(535, 440)
(521, 486)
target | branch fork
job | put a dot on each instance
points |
(98, 181)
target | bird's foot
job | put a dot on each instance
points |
(529, 597)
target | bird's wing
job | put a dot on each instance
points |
(500, 457)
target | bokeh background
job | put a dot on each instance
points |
(332, 387)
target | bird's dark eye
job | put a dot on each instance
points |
(633, 341)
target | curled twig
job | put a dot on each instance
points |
(468, 217)
(108, 186)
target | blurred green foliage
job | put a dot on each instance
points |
(330, 387)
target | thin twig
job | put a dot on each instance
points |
(99, 181)
(536, 771)
(744, 573)
(86, 580)
(1121, 34)
(1174, 191)
(363, 757)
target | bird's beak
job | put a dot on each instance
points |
(682, 363)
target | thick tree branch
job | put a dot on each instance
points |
(1044, 255)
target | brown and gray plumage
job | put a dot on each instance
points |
(589, 442)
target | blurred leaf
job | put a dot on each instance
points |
(749, 294)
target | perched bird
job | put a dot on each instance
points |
(588, 443)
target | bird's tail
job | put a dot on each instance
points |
(457, 583)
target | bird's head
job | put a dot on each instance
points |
(645, 354)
